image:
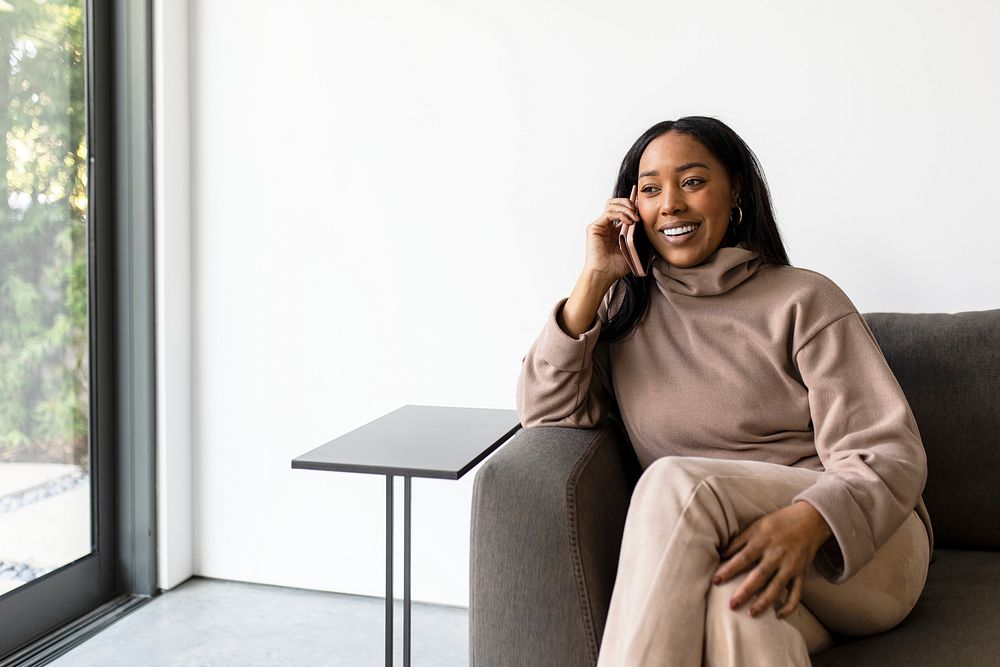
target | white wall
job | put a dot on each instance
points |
(172, 240)
(387, 198)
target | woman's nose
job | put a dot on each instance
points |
(673, 201)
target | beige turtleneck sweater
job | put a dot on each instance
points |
(739, 359)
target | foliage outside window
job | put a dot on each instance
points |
(43, 233)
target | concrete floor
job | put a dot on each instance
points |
(218, 623)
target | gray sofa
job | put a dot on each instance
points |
(549, 509)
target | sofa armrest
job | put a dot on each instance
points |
(548, 513)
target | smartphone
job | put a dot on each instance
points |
(633, 243)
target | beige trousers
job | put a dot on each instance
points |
(665, 611)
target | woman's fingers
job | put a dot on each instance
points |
(771, 594)
(616, 209)
(739, 561)
(754, 581)
(734, 544)
(793, 598)
(625, 202)
(746, 558)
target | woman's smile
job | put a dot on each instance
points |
(679, 235)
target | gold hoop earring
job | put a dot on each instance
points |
(735, 224)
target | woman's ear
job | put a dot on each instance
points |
(737, 189)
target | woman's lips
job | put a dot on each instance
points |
(681, 239)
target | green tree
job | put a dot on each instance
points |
(44, 335)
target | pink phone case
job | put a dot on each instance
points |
(626, 242)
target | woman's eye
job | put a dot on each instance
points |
(649, 188)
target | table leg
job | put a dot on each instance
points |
(388, 571)
(406, 571)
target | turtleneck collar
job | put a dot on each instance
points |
(721, 271)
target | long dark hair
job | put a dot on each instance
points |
(758, 230)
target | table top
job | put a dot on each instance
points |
(417, 441)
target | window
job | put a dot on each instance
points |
(76, 371)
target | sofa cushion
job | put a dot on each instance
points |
(948, 365)
(956, 620)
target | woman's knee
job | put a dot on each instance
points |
(676, 487)
(673, 472)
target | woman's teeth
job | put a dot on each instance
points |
(679, 231)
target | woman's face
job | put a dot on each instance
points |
(680, 181)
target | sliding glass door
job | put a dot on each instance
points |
(60, 318)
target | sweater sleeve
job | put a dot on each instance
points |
(566, 381)
(866, 437)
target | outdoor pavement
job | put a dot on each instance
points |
(46, 532)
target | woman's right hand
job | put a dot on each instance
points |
(604, 255)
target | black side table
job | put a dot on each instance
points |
(413, 441)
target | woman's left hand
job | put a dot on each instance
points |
(785, 542)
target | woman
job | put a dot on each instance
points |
(780, 498)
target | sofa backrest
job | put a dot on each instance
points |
(948, 365)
